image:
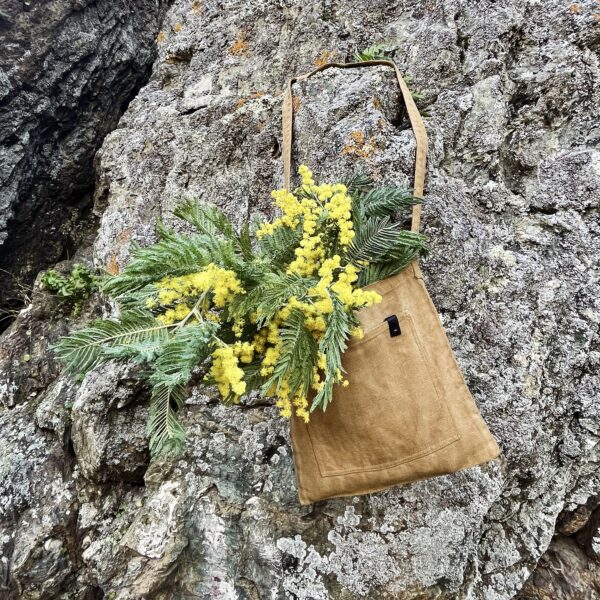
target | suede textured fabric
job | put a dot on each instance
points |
(407, 413)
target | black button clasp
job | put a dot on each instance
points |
(394, 325)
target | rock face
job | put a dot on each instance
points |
(569, 567)
(67, 71)
(110, 443)
(511, 97)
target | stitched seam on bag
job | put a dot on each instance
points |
(426, 360)
(369, 335)
(378, 284)
(386, 292)
(302, 491)
(416, 269)
(426, 451)
(429, 366)
(456, 365)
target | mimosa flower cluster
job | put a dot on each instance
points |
(321, 216)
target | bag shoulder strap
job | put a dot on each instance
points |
(414, 117)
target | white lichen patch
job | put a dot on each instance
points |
(8, 389)
(506, 256)
(156, 525)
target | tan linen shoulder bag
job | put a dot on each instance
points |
(407, 413)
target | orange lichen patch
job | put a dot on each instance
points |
(360, 146)
(160, 38)
(252, 96)
(358, 137)
(325, 57)
(113, 266)
(124, 236)
(377, 102)
(240, 46)
(196, 6)
(381, 124)
(177, 27)
(575, 8)
(296, 103)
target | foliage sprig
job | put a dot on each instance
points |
(72, 289)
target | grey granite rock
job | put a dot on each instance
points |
(511, 208)
(38, 508)
(67, 71)
(563, 573)
(511, 96)
(110, 442)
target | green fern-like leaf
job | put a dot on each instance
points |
(333, 345)
(279, 247)
(244, 241)
(358, 183)
(386, 202)
(297, 359)
(373, 239)
(173, 256)
(223, 253)
(213, 222)
(165, 432)
(379, 240)
(271, 295)
(163, 232)
(136, 298)
(186, 348)
(109, 338)
(407, 239)
(206, 218)
(376, 271)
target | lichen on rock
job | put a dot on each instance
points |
(511, 205)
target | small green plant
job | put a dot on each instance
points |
(417, 95)
(72, 289)
(377, 52)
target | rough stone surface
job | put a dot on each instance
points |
(563, 573)
(67, 71)
(110, 443)
(28, 367)
(511, 206)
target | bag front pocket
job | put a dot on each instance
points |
(392, 412)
